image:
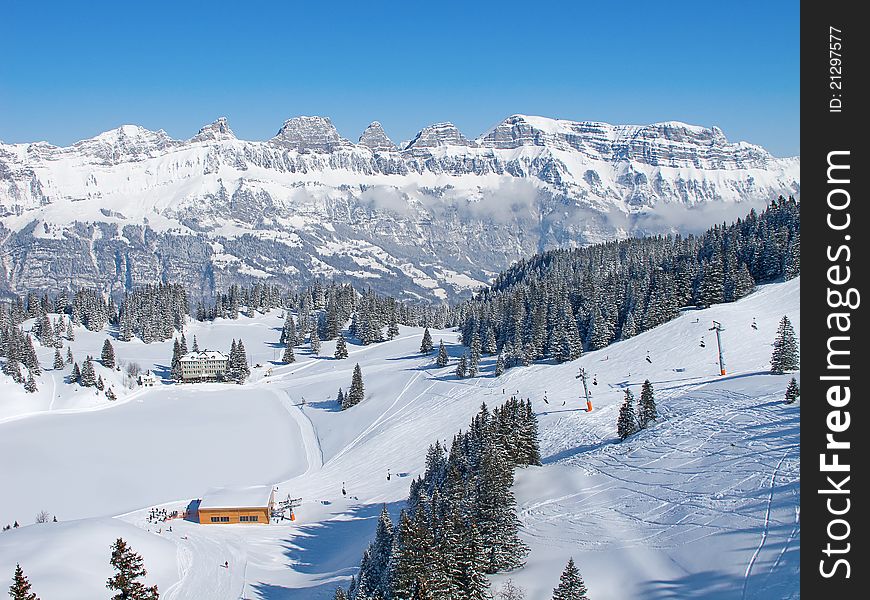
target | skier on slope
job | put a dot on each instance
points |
(648, 359)
(343, 491)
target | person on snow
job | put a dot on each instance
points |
(648, 359)
(226, 564)
(343, 491)
(388, 474)
(754, 324)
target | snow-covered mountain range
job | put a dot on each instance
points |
(433, 217)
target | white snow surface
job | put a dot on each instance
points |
(702, 504)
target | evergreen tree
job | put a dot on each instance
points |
(108, 355)
(426, 346)
(793, 391)
(30, 384)
(627, 423)
(340, 348)
(70, 332)
(129, 568)
(785, 355)
(443, 358)
(341, 399)
(13, 368)
(175, 370)
(474, 360)
(356, 393)
(646, 407)
(30, 359)
(571, 586)
(393, 325)
(315, 342)
(339, 594)
(99, 384)
(462, 366)
(76, 374)
(58, 360)
(110, 394)
(499, 365)
(69, 356)
(87, 378)
(288, 356)
(20, 588)
(195, 347)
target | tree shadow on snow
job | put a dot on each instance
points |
(709, 585)
(329, 552)
(325, 405)
(570, 452)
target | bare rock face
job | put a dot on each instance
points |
(375, 138)
(431, 221)
(217, 131)
(310, 134)
(439, 134)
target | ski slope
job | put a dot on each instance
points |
(704, 503)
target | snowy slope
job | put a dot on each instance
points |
(702, 504)
(133, 206)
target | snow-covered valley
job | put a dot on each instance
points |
(705, 503)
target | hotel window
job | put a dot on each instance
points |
(220, 519)
(249, 519)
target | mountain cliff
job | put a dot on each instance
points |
(435, 217)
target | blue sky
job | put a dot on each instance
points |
(73, 69)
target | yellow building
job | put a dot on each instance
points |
(237, 505)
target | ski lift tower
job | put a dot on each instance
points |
(717, 327)
(582, 377)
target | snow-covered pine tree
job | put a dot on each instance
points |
(288, 356)
(30, 384)
(107, 356)
(21, 588)
(490, 345)
(315, 342)
(786, 356)
(462, 366)
(571, 585)
(499, 365)
(340, 348)
(76, 374)
(474, 360)
(129, 568)
(175, 368)
(356, 393)
(70, 332)
(339, 594)
(88, 378)
(393, 324)
(426, 345)
(183, 344)
(110, 394)
(13, 368)
(242, 367)
(443, 358)
(374, 574)
(99, 383)
(627, 422)
(195, 347)
(341, 399)
(793, 391)
(30, 360)
(646, 406)
(58, 360)
(69, 356)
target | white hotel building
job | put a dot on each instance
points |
(206, 365)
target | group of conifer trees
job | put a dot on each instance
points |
(560, 303)
(460, 522)
(631, 419)
(355, 394)
(129, 569)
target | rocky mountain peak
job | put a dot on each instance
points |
(439, 134)
(310, 134)
(217, 130)
(375, 138)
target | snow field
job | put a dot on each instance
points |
(675, 511)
